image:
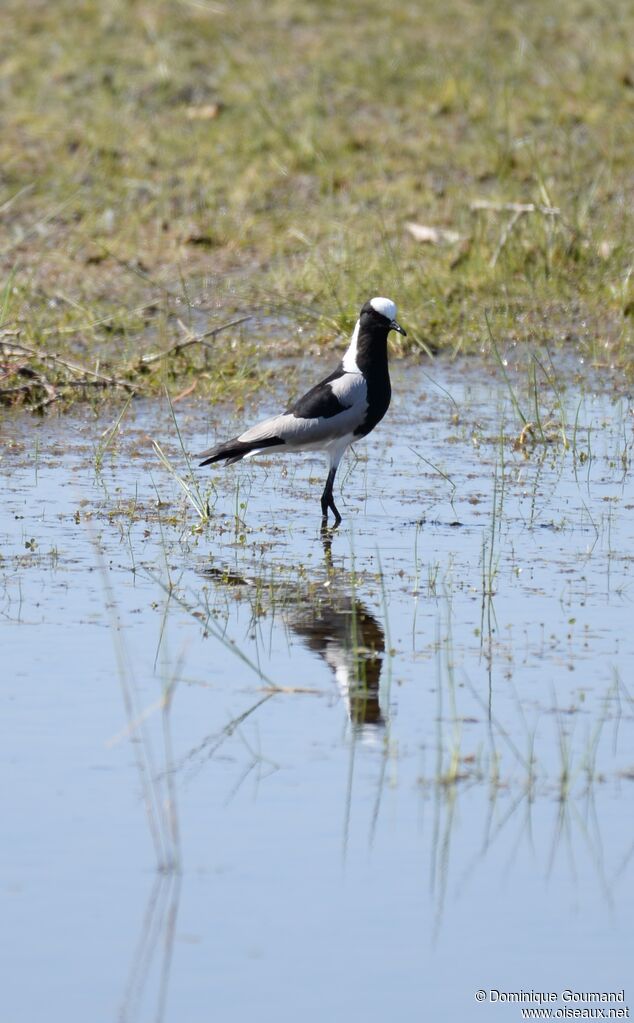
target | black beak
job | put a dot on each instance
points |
(396, 326)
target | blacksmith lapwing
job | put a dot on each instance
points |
(344, 407)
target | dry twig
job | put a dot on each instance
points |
(517, 210)
(514, 207)
(13, 348)
(191, 339)
(23, 361)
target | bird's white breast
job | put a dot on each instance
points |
(349, 362)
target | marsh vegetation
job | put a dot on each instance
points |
(167, 167)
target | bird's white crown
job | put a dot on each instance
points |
(385, 307)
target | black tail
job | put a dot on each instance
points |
(234, 450)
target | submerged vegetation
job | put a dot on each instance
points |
(170, 167)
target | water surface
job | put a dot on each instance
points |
(254, 772)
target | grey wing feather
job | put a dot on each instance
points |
(303, 426)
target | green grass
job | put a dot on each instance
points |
(126, 206)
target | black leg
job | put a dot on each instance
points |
(328, 501)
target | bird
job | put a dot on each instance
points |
(342, 408)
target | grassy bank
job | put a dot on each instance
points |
(167, 166)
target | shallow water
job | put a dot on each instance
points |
(256, 773)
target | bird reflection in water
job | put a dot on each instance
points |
(352, 643)
(339, 628)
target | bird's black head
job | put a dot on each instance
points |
(379, 314)
(368, 345)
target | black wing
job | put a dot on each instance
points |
(320, 402)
